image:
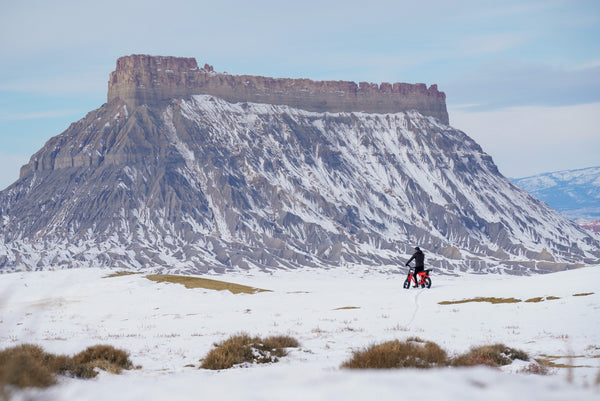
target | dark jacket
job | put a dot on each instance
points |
(419, 258)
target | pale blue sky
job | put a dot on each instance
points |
(521, 77)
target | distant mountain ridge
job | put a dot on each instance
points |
(177, 181)
(574, 193)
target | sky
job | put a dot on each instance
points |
(521, 77)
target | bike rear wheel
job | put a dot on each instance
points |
(427, 281)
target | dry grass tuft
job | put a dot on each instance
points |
(491, 300)
(583, 294)
(490, 355)
(412, 353)
(243, 348)
(104, 357)
(197, 282)
(417, 353)
(29, 365)
(549, 361)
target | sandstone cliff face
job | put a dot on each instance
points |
(142, 79)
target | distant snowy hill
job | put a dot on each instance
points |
(574, 193)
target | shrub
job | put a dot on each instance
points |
(104, 357)
(490, 355)
(242, 348)
(412, 353)
(29, 365)
(26, 366)
(280, 342)
(417, 353)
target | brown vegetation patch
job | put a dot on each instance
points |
(417, 353)
(540, 299)
(550, 361)
(490, 355)
(583, 294)
(492, 300)
(104, 357)
(243, 348)
(197, 282)
(29, 365)
(412, 353)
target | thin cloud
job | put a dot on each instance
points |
(590, 65)
(493, 43)
(530, 140)
(90, 82)
(506, 83)
(38, 115)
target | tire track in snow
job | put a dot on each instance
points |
(416, 309)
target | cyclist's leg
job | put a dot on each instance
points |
(419, 277)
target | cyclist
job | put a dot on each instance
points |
(419, 258)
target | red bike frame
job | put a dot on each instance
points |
(422, 275)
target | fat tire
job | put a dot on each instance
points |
(427, 282)
(406, 284)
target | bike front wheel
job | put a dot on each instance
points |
(407, 284)
(427, 281)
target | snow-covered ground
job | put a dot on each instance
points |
(168, 328)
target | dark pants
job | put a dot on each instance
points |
(418, 269)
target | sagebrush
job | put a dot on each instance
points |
(490, 355)
(28, 365)
(417, 353)
(242, 348)
(412, 353)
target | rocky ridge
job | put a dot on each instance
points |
(143, 79)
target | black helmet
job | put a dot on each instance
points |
(417, 248)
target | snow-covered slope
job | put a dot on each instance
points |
(200, 183)
(167, 329)
(574, 193)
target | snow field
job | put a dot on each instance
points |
(167, 329)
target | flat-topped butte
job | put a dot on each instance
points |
(144, 79)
